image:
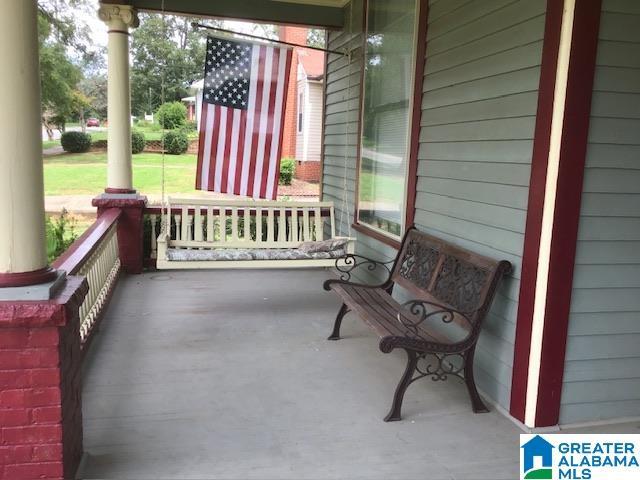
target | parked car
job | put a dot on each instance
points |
(93, 122)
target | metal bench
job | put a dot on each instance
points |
(452, 291)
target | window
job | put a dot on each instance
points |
(300, 105)
(386, 114)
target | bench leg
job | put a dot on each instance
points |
(477, 404)
(405, 381)
(335, 335)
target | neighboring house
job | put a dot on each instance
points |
(310, 81)
(190, 103)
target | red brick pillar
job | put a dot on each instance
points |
(130, 227)
(297, 35)
(40, 385)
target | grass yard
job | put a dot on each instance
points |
(86, 173)
(50, 144)
(386, 188)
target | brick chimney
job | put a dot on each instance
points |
(296, 35)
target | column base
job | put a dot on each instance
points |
(120, 191)
(22, 279)
(130, 226)
(37, 292)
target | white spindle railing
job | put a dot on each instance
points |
(94, 256)
(101, 270)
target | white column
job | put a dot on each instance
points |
(118, 19)
(22, 232)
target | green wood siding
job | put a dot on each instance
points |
(601, 378)
(476, 139)
(478, 120)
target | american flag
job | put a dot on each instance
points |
(245, 90)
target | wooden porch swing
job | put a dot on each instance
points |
(209, 233)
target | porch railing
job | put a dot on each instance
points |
(94, 255)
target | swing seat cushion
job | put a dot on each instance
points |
(330, 249)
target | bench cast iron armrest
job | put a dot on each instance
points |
(421, 311)
(350, 262)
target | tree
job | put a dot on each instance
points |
(58, 78)
(168, 56)
(316, 37)
(94, 86)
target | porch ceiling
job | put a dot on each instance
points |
(322, 13)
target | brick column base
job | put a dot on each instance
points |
(130, 227)
(40, 385)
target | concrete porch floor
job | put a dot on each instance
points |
(227, 374)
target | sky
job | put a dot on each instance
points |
(99, 28)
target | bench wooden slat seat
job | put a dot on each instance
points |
(439, 328)
(215, 233)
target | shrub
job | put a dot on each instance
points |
(191, 125)
(75, 142)
(172, 115)
(138, 142)
(176, 142)
(60, 233)
(287, 170)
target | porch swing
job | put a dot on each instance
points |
(208, 233)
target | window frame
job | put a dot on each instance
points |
(413, 134)
(300, 115)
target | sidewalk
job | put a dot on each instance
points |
(81, 204)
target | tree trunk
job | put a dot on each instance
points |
(83, 124)
(49, 129)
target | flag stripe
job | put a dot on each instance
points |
(222, 140)
(227, 149)
(206, 166)
(276, 147)
(230, 175)
(201, 136)
(265, 114)
(251, 114)
(241, 141)
(270, 122)
(213, 155)
(257, 121)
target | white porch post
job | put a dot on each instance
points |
(23, 257)
(119, 173)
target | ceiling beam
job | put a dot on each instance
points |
(264, 11)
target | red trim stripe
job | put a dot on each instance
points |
(266, 160)
(416, 115)
(567, 209)
(533, 229)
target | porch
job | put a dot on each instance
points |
(228, 374)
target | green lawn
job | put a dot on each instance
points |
(86, 173)
(50, 143)
(386, 188)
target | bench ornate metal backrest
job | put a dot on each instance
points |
(446, 283)
(439, 272)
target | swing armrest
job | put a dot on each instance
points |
(162, 243)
